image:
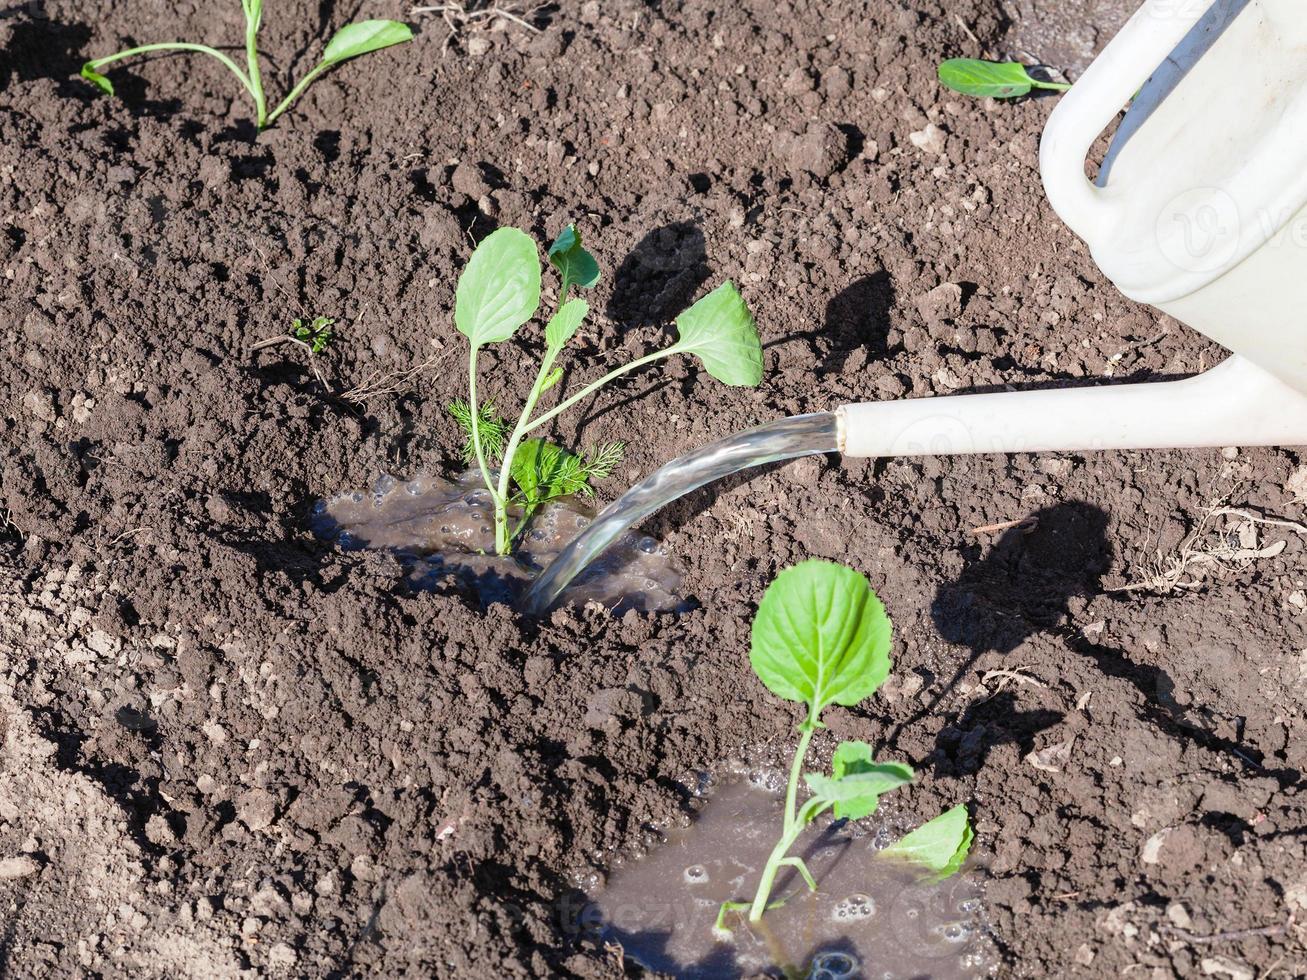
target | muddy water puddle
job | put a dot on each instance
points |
(443, 531)
(870, 918)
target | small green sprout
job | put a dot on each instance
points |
(497, 293)
(349, 42)
(997, 79)
(316, 335)
(822, 637)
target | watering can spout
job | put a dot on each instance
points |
(1234, 404)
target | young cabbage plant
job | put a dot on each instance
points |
(497, 293)
(822, 637)
(997, 79)
(349, 42)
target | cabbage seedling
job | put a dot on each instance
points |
(997, 79)
(497, 293)
(349, 42)
(822, 637)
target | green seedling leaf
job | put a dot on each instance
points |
(852, 758)
(318, 335)
(353, 40)
(96, 79)
(940, 845)
(856, 794)
(544, 471)
(577, 266)
(499, 289)
(998, 79)
(719, 331)
(564, 324)
(538, 467)
(821, 637)
(493, 429)
(551, 379)
(603, 459)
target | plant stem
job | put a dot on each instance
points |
(99, 63)
(1055, 86)
(502, 536)
(253, 19)
(776, 860)
(596, 385)
(790, 829)
(296, 92)
(476, 436)
(796, 767)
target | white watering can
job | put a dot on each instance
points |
(1200, 210)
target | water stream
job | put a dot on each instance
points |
(789, 438)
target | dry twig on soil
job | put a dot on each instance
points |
(1237, 545)
(459, 17)
(380, 383)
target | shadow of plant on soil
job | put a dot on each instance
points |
(42, 47)
(660, 276)
(857, 319)
(122, 759)
(1035, 579)
(1021, 586)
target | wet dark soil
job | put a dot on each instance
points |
(232, 749)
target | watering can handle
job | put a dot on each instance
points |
(1094, 100)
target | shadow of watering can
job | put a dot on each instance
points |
(1200, 210)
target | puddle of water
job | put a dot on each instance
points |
(870, 917)
(443, 530)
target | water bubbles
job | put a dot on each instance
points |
(348, 542)
(356, 497)
(696, 874)
(648, 545)
(772, 782)
(384, 485)
(319, 508)
(853, 908)
(912, 912)
(833, 966)
(581, 521)
(969, 906)
(413, 488)
(954, 932)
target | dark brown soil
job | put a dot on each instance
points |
(231, 749)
